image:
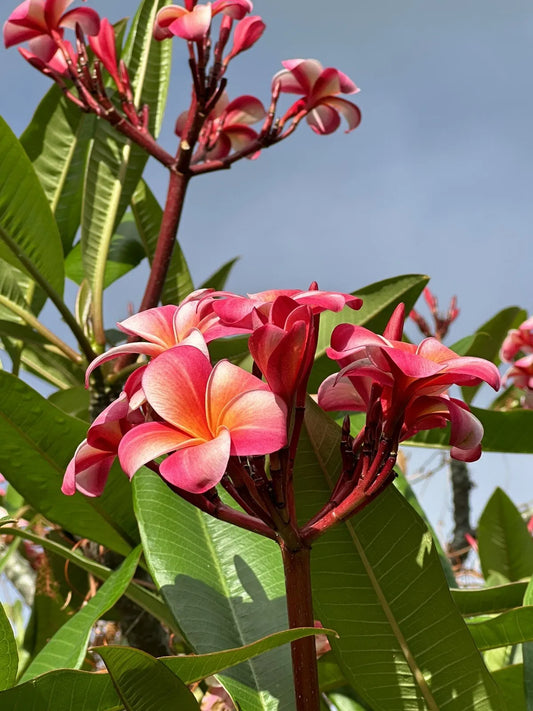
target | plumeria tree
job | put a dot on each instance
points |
(219, 477)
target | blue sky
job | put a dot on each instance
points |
(436, 180)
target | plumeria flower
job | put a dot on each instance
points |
(36, 21)
(227, 127)
(253, 310)
(521, 374)
(518, 340)
(319, 89)
(89, 468)
(193, 21)
(103, 44)
(163, 327)
(413, 383)
(284, 347)
(246, 34)
(206, 415)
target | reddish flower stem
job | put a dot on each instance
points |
(297, 567)
(177, 188)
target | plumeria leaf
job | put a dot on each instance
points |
(115, 165)
(63, 690)
(508, 431)
(378, 580)
(488, 601)
(68, 646)
(8, 652)
(148, 214)
(404, 487)
(125, 253)
(224, 585)
(511, 681)
(144, 683)
(57, 142)
(17, 291)
(218, 279)
(38, 440)
(379, 301)
(505, 544)
(23, 223)
(143, 598)
(193, 668)
(527, 656)
(74, 401)
(511, 627)
(342, 702)
(51, 366)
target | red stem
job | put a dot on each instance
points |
(297, 569)
(177, 188)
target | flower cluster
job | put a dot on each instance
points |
(200, 424)
(198, 414)
(405, 386)
(216, 130)
(519, 342)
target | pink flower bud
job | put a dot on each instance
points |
(246, 34)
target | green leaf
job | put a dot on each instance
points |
(404, 487)
(51, 366)
(146, 599)
(503, 432)
(57, 142)
(218, 279)
(145, 683)
(125, 253)
(73, 401)
(488, 601)
(378, 580)
(68, 646)
(511, 681)
(9, 658)
(15, 292)
(379, 301)
(199, 666)
(512, 627)
(38, 441)
(116, 164)
(63, 690)
(29, 238)
(148, 215)
(527, 656)
(345, 703)
(505, 544)
(224, 585)
(488, 340)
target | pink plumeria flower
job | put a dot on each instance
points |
(284, 347)
(193, 21)
(319, 89)
(227, 127)
(207, 415)
(413, 383)
(246, 34)
(89, 468)
(518, 340)
(103, 45)
(163, 327)
(35, 21)
(253, 310)
(521, 374)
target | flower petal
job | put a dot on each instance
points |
(200, 467)
(323, 119)
(175, 386)
(253, 433)
(154, 325)
(226, 382)
(147, 441)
